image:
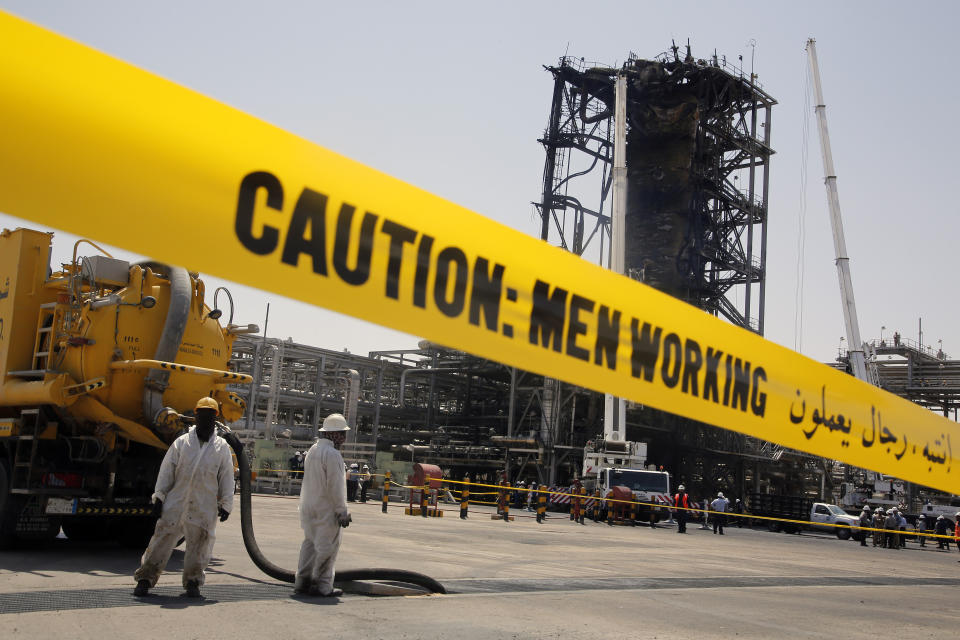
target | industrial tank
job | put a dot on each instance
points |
(101, 363)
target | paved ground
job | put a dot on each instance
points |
(516, 580)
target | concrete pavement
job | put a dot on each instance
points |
(516, 580)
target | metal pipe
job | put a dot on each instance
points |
(350, 401)
(403, 376)
(153, 365)
(173, 328)
(761, 310)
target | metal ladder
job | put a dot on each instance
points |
(25, 452)
(45, 324)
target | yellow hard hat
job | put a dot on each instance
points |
(207, 403)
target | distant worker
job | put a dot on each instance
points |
(891, 524)
(902, 522)
(519, 496)
(194, 487)
(682, 502)
(365, 479)
(956, 531)
(292, 463)
(323, 510)
(353, 482)
(576, 501)
(866, 520)
(940, 528)
(878, 535)
(719, 505)
(738, 508)
(896, 338)
(532, 496)
(921, 529)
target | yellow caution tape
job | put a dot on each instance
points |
(646, 504)
(97, 147)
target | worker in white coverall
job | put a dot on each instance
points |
(194, 487)
(323, 510)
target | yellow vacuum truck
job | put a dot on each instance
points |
(101, 363)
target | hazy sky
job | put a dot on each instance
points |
(452, 98)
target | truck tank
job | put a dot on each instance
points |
(101, 364)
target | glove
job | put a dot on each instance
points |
(345, 520)
(157, 508)
(224, 514)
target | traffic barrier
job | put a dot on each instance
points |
(506, 503)
(88, 139)
(465, 498)
(544, 495)
(386, 491)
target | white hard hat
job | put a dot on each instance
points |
(335, 422)
(958, 514)
(866, 507)
(681, 488)
(940, 517)
(366, 466)
(720, 494)
(353, 465)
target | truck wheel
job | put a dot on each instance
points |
(843, 533)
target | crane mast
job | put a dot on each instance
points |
(858, 362)
(615, 409)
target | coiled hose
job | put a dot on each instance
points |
(285, 575)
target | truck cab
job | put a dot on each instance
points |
(650, 487)
(830, 517)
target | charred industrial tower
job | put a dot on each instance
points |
(697, 166)
(698, 152)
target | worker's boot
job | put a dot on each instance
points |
(315, 591)
(193, 589)
(142, 588)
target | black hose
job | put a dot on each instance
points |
(285, 575)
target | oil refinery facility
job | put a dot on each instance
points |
(684, 161)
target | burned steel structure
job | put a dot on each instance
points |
(697, 156)
(697, 159)
(698, 153)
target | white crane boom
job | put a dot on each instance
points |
(615, 409)
(858, 362)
